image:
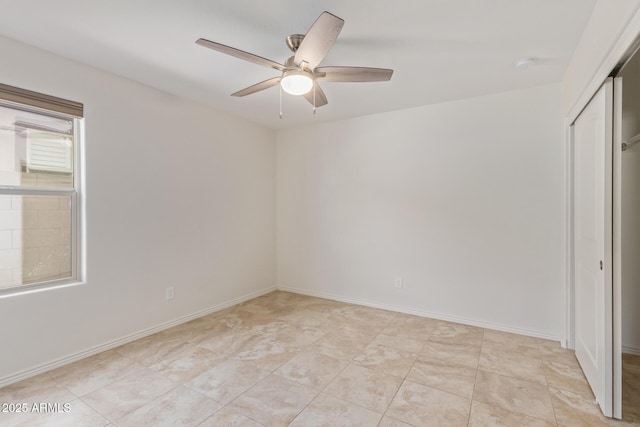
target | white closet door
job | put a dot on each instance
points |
(592, 244)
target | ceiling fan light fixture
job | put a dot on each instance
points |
(300, 73)
(296, 82)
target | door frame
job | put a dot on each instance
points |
(616, 241)
(625, 45)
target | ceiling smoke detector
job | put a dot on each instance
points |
(524, 63)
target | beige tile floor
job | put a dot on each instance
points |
(286, 359)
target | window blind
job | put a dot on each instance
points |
(40, 100)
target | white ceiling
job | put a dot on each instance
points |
(440, 50)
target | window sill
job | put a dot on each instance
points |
(20, 290)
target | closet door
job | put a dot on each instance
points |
(593, 135)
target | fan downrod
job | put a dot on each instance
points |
(293, 41)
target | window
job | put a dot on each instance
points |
(39, 189)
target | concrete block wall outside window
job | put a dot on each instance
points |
(36, 197)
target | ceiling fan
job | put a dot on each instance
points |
(300, 73)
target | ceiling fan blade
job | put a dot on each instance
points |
(321, 98)
(240, 54)
(318, 40)
(353, 74)
(258, 87)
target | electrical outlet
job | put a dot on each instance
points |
(397, 283)
(169, 293)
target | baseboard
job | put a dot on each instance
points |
(40, 369)
(421, 313)
(631, 350)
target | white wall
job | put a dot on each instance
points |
(631, 208)
(464, 200)
(608, 22)
(177, 195)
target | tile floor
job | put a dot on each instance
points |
(286, 359)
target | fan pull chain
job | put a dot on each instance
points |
(280, 101)
(314, 98)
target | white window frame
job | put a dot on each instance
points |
(77, 204)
